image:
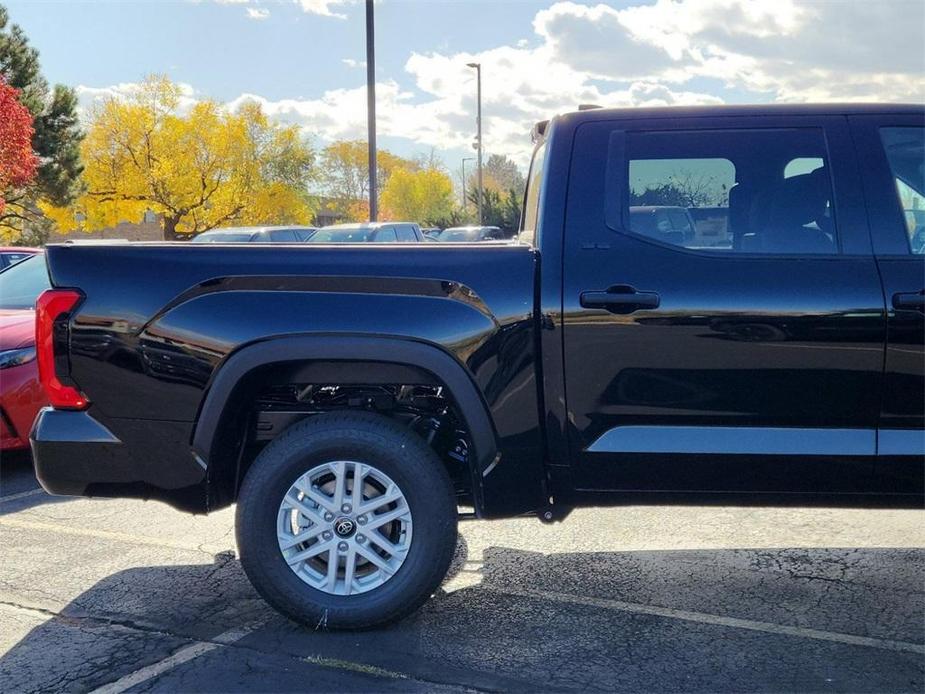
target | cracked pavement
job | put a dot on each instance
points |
(636, 598)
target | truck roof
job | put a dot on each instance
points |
(709, 111)
(748, 110)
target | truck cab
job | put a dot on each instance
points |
(746, 358)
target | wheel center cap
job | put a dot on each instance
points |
(344, 527)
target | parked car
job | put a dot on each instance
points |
(431, 232)
(371, 232)
(21, 393)
(663, 223)
(10, 255)
(470, 234)
(278, 234)
(354, 401)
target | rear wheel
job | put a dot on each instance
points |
(347, 520)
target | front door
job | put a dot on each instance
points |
(892, 151)
(723, 320)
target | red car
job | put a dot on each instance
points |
(10, 255)
(21, 394)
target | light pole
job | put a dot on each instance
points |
(465, 201)
(371, 109)
(478, 122)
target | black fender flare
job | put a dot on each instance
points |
(400, 351)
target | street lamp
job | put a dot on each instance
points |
(371, 110)
(478, 122)
(465, 201)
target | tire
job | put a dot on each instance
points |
(380, 452)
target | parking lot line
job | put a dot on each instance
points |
(704, 618)
(194, 650)
(184, 655)
(358, 668)
(99, 534)
(21, 495)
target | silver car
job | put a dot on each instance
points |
(275, 234)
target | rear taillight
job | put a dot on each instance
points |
(51, 315)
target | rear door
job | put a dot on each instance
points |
(892, 151)
(747, 356)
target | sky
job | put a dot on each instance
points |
(303, 60)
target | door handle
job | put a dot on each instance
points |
(620, 298)
(909, 301)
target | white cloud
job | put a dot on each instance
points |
(88, 97)
(792, 50)
(646, 54)
(596, 41)
(350, 62)
(325, 8)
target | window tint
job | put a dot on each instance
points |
(343, 234)
(802, 165)
(459, 234)
(406, 234)
(736, 191)
(386, 235)
(303, 234)
(532, 199)
(21, 284)
(223, 237)
(283, 236)
(13, 258)
(905, 150)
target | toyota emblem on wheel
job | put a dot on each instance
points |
(344, 527)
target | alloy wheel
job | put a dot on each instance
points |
(344, 527)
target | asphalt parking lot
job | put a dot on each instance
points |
(133, 596)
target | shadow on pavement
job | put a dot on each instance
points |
(573, 621)
(17, 482)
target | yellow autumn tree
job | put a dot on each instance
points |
(198, 170)
(345, 177)
(423, 196)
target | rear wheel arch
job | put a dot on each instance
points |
(389, 360)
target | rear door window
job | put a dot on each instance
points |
(733, 191)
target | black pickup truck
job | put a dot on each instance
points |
(356, 401)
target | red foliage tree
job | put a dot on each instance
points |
(18, 163)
